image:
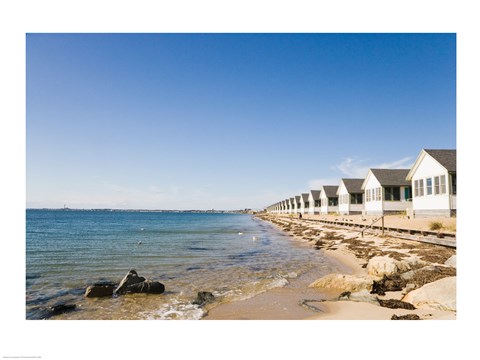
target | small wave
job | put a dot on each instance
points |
(177, 310)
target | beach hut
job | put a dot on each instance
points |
(296, 209)
(314, 202)
(433, 178)
(350, 196)
(304, 205)
(386, 191)
(291, 202)
(328, 199)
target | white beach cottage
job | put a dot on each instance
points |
(386, 191)
(296, 209)
(314, 202)
(434, 181)
(328, 199)
(350, 196)
(291, 205)
(304, 203)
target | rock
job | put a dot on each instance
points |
(360, 296)
(145, 287)
(129, 279)
(62, 308)
(100, 290)
(392, 283)
(440, 294)
(203, 297)
(385, 265)
(406, 317)
(396, 304)
(452, 261)
(352, 283)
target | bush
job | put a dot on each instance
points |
(436, 225)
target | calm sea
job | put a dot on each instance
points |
(234, 256)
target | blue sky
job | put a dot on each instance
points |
(226, 121)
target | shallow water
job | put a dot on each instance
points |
(234, 256)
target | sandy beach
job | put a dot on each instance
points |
(420, 266)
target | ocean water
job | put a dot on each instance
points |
(232, 255)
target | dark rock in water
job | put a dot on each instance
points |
(406, 317)
(394, 283)
(100, 290)
(130, 279)
(61, 309)
(203, 297)
(146, 287)
(396, 304)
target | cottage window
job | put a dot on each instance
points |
(421, 188)
(440, 186)
(317, 203)
(429, 186)
(307, 204)
(392, 193)
(356, 199)
(418, 188)
(333, 201)
(378, 196)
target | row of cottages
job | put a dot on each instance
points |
(429, 188)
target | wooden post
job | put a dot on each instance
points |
(383, 228)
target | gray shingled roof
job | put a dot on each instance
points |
(305, 197)
(446, 158)
(392, 177)
(353, 185)
(315, 194)
(330, 191)
(297, 198)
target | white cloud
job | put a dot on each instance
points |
(359, 168)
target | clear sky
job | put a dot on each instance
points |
(227, 121)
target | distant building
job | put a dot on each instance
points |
(314, 202)
(433, 178)
(350, 196)
(291, 202)
(328, 199)
(297, 204)
(386, 191)
(304, 203)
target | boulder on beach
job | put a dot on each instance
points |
(62, 308)
(352, 283)
(451, 261)
(100, 290)
(360, 296)
(203, 297)
(385, 265)
(130, 279)
(146, 287)
(440, 294)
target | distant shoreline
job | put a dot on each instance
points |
(246, 211)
